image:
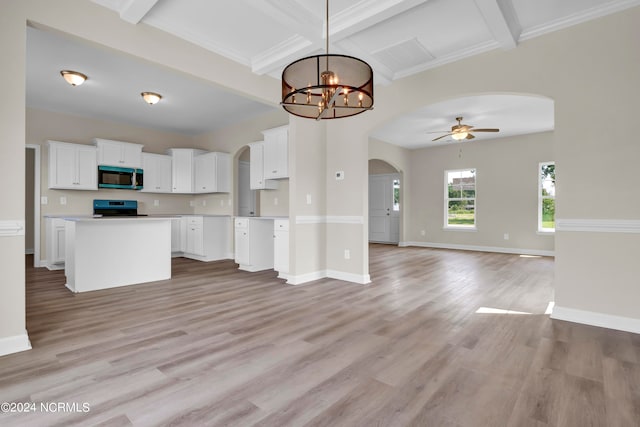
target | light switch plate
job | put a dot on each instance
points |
(308, 199)
(192, 203)
(156, 202)
(44, 200)
(63, 200)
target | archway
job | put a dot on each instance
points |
(384, 202)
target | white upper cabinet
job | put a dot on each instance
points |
(256, 169)
(182, 169)
(72, 166)
(276, 152)
(157, 173)
(118, 153)
(212, 173)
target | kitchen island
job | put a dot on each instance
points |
(109, 252)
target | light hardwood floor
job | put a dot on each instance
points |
(439, 338)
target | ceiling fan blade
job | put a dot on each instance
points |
(439, 131)
(470, 136)
(440, 137)
(485, 130)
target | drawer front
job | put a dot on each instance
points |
(281, 225)
(241, 222)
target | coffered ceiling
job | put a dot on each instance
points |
(397, 37)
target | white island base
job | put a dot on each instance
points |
(105, 253)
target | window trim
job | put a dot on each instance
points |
(460, 227)
(540, 230)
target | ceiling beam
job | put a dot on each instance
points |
(133, 11)
(365, 14)
(501, 18)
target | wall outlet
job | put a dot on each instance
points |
(222, 203)
(63, 200)
(423, 233)
(339, 175)
(229, 201)
(275, 201)
(347, 254)
(192, 203)
(506, 236)
(308, 199)
(204, 203)
(44, 200)
(156, 202)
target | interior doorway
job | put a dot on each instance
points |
(32, 202)
(384, 202)
(246, 196)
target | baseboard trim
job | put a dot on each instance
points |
(592, 318)
(306, 278)
(362, 279)
(53, 267)
(15, 344)
(515, 251)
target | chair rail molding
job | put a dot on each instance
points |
(599, 225)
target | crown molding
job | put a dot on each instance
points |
(578, 18)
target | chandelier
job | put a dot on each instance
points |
(327, 86)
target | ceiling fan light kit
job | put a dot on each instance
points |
(327, 86)
(461, 131)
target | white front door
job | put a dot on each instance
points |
(384, 219)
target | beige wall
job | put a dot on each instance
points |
(380, 167)
(234, 140)
(506, 191)
(12, 154)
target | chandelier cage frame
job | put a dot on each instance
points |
(327, 86)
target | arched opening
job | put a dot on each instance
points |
(247, 202)
(385, 200)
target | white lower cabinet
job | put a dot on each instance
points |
(254, 243)
(178, 235)
(207, 238)
(281, 247)
(56, 243)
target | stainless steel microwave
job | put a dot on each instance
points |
(118, 177)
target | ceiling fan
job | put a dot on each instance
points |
(460, 131)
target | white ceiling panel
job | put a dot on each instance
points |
(512, 114)
(115, 82)
(397, 37)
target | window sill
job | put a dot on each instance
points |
(546, 233)
(454, 228)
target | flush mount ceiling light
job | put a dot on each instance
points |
(327, 86)
(74, 78)
(151, 97)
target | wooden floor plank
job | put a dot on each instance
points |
(440, 337)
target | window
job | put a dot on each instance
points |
(396, 195)
(460, 199)
(547, 197)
